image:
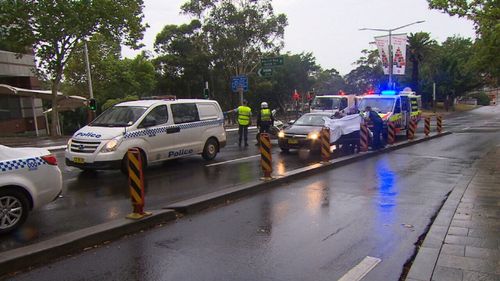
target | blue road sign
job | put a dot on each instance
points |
(240, 81)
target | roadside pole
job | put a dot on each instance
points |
(240, 93)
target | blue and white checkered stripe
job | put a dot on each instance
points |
(163, 130)
(28, 163)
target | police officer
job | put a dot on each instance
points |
(244, 115)
(378, 125)
(265, 120)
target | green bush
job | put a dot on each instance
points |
(482, 98)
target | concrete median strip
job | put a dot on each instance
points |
(39, 253)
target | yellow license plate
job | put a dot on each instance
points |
(292, 141)
(78, 160)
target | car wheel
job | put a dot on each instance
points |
(14, 208)
(210, 150)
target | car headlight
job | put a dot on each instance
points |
(313, 136)
(111, 145)
(68, 147)
(281, 134)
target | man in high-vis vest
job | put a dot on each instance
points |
(244, 115)
(265, 120)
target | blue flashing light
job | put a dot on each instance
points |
(388, 93)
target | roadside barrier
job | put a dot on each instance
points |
(363, 135)
(439, 124)
(325, 144)
(427, 127)
(266, 160)
(391, 132)
(411, 129)
(136, 184)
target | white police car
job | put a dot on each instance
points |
(160, 129)
(29, 178)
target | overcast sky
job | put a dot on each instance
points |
(329, 28)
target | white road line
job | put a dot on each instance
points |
(434, 157)
(236, 129)
(361, 269)
(234, 160)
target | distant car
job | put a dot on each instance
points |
(29, 179)
(304, 132)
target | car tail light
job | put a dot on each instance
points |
(50, 159)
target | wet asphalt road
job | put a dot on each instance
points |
(312, 229)
(91, 198)
(96, 197)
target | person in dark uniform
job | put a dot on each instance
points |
(378, 125)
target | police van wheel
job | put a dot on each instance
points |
(210, 150)
(14, 208)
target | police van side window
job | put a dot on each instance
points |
(184, 112)
(157, 116)
(397, 107)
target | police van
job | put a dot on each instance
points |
(333, 103)
(160, 129)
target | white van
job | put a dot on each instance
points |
(333, 103)
(160, 129)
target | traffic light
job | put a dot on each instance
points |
(92, 104)
(206, 94)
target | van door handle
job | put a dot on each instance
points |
(173, 130)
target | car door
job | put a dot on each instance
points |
(187, 117)
(158, 132)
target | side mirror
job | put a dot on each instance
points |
(148, 122)
(291, 122)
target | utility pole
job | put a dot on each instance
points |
(90, 110)
(391, 86)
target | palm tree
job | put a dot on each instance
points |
(419, 45)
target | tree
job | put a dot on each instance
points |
(183, 61)
(299, 72)
(54, 28)
(451, 68)
(238, 32)
(486, 16)
(367, 75)
(420, 45)
(329, 82)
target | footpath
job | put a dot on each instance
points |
(463, 243)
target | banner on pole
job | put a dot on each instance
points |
(398, 42)
(383, 51)
(399, 55)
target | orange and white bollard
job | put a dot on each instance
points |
(391, 132)
(363, 137)
(136, 184)
(439, 124)
(266, 160)
(427, 126)
(411, 129)
(325, 144)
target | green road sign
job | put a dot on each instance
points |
(271, 61)
(265, 72)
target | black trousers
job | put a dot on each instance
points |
(243, 133)
(377, 135)
(263, 128)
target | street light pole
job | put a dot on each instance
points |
(390, 44)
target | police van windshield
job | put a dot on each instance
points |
(310, 120)
(119, 116)
(325, 103)
(380, 105)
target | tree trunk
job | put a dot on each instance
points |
(54, 125)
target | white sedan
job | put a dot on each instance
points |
(29, 178)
